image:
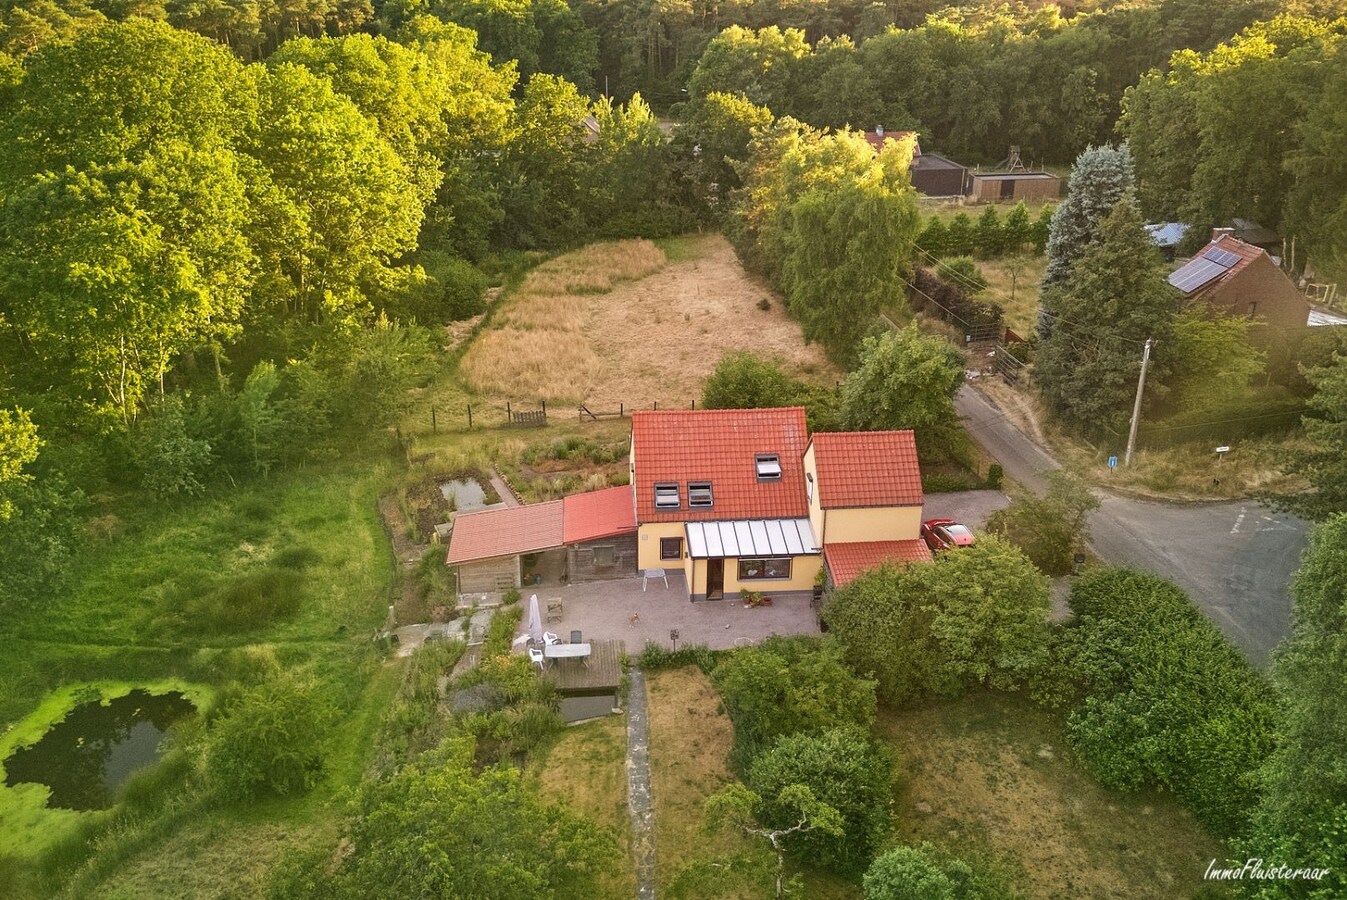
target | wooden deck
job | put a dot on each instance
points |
(603, 669)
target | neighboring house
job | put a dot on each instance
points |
(1166, 236)
(1239, 279)
(931, 174)
(733, 499)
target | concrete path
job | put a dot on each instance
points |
(506, 493)
(639, 801)
(1234, 558)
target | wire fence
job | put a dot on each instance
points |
(516, 414)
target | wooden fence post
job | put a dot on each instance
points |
(470, 417)
(509, 416)
(434, 429)
(621, 411)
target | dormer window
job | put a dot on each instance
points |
(769, 467)
(699, 494)
(666, 495)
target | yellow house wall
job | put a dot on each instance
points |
(816, 517)
(803, 569)
(879, 523)
(647, 544)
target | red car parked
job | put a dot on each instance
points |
(945, 534)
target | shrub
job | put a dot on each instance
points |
(655, 657)
(788, 685)
(924, 872)
(744, 380)
(974, 616)
(844, 769)
(172, 461)
(452, 289)
(995, 476)
(269, 742)
(500, 631)
(963, 273)
(1049, 529)
(1165, 699)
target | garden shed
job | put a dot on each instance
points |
(990, 187)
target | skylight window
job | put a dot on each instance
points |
(666, 496)
(699, 494)
(769, 467)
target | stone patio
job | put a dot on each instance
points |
(618, 610)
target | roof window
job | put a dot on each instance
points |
(769, 467)
(666, 496)
(699, 494)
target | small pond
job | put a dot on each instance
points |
(580, 706)
(86, 756)
(465, 493)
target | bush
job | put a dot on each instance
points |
(452, 289)
(1165, 699)
(172, 461)
(924, 872)
(744, 380)
(269, 742)
(788, 685)
(844, 769)
(995, 475)
(963, 273)
(1052, 528)
(501, 630)
(974, 616)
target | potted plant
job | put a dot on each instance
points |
(820, 580)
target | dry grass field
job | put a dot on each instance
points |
(618, 323)
(587, 770)
(990, 774)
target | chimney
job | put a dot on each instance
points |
(1218, 233)
(879, 130)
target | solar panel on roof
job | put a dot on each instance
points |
(1221, 257)
(1195, 274)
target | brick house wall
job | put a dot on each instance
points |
(1263, 291)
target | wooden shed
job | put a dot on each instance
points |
(935, 176)
(991, 187)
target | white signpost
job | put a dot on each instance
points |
(1221, 452)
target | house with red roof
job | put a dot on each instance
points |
(733, 500)
(1235, 278)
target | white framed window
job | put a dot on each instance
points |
(666, 495)
(769, 467)
(809, 486)
(768, 569)
(699, 494)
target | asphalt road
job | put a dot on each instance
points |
(1235, 559)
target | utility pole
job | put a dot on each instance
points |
(1136, 407)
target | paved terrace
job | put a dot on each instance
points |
(618, 610)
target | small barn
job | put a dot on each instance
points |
(993, 187)
(599, 531)
(935, 176)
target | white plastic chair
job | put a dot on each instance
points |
(537, 656)
(550, 638)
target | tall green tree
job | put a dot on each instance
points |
(1100, 178)
(542, 176)
(124, 238)
(1114, 298)
(905, 379)
(1316, 207)
(1303, 811)
(1324, 462)
(19, 446)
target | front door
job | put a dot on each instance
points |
(715, 579)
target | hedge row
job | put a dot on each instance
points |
(1165, 699)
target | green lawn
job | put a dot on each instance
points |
(140, 612)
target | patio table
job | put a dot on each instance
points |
(567, 651)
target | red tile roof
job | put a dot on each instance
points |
(867, 468)
(598, 514)
(1247, 253)
(505, 531)
(847, 561)
(877, 140)
(720, 446)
